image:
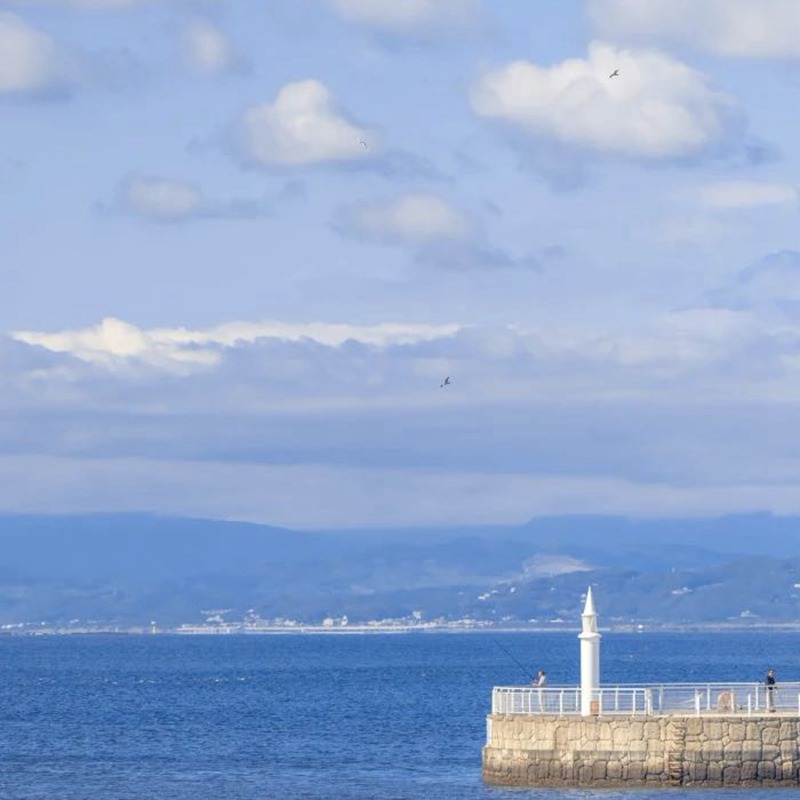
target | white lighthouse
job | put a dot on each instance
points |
(590, 657)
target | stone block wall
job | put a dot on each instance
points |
(719, 750)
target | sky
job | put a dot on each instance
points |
(245, 241)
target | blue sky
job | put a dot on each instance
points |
(245, 241)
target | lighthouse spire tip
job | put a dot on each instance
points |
(589, 607)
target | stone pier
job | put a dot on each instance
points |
(668, 750)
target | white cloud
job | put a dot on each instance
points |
(161, 198)
(441, 235)
(410, 219)
(657, 108)
(114, 342)
(30, 61)
(726, 195)
(740, 28)
(206, 50)
(302, 127)
(675, 344)
(409, 16)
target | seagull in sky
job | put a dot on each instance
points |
(445, 382)
(614, 74)
(362, 142)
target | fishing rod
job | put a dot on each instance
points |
(518, 663)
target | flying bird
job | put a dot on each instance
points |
(445, 382)
(614, 74)
(362, 142)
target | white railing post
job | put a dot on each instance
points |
(697, 703)
(749, 705)
(561, 703)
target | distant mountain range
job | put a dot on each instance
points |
(129, 569)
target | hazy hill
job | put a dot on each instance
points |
(130, 568)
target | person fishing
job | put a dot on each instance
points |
(770, 684)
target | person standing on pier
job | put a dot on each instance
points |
(541, 682)
(770, 684)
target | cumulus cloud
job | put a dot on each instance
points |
(31, 62)
(410, 16)
(161, 199)
(725, 195)
(410, 219)
(439, 234)
(656, 109)
(206, 50)
(302, 127)
(739, 28)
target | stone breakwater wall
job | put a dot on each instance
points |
(665, 751)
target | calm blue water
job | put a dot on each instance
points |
(379, 717)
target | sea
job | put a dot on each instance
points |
(311, 717)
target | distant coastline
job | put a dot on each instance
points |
(371, 630)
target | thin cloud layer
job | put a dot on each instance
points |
(355, 497)
(690, 402)
(656, 109)
(771, 284)
(410, 16)
(302, 127)
(727, 195)
(93, 5)
(161, 199)
(738, 28)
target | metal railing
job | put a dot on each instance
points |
(649, 699)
